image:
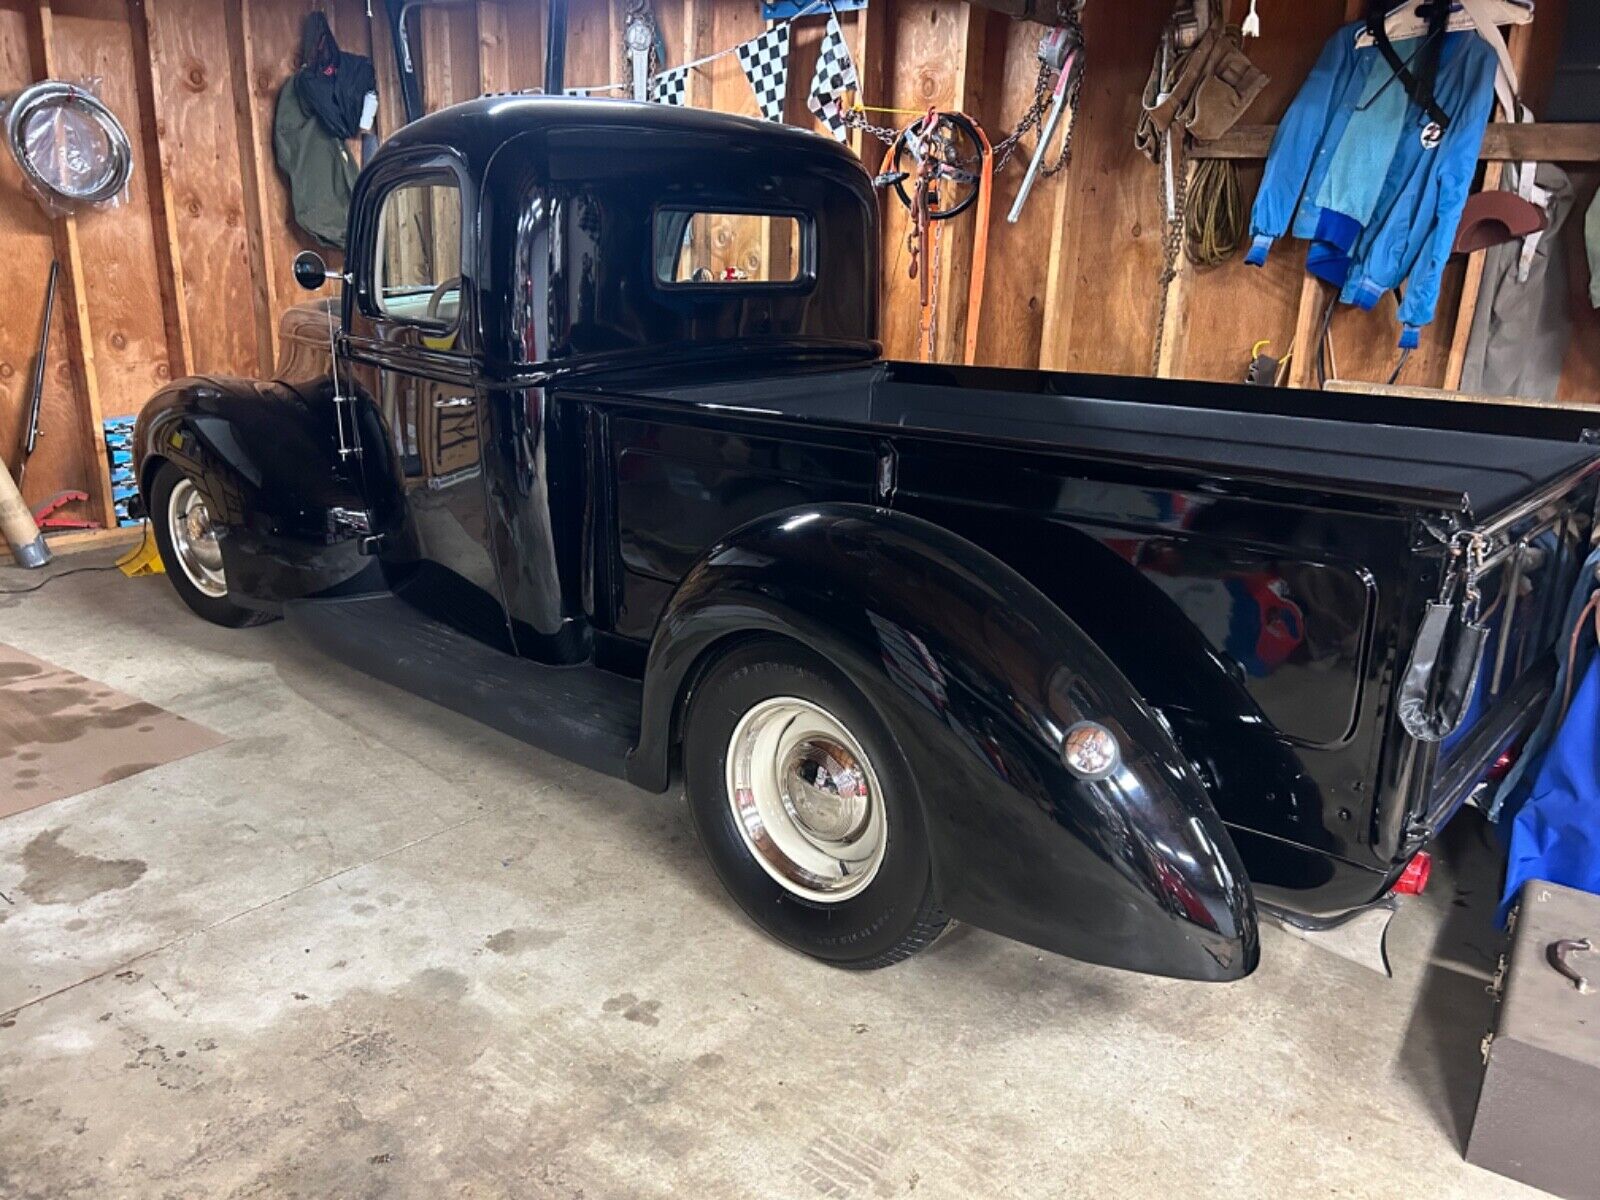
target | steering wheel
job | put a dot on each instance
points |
(436, 298)
(953, 152)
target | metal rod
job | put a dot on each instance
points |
(555, 49)
(30, 431)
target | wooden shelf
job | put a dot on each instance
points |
(1554, 142)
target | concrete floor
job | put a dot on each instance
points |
(367, 948)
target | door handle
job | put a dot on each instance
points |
(454, 402)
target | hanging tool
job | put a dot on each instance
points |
(642, 48)
(30, 428)
(1060, 50)
(951, 169)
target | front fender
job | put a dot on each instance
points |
(265, 455)
(980, 676)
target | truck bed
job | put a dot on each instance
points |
(1473, 459)
(1481, 472)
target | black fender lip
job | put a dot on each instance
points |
(979, 674)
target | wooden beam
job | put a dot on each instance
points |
(78, 540)
(163, 206)
(871, 52)
(1472, 284)
(1557, 142)
(970, 44)
(494, 61)
(256, 206)
(80, 335)
(1314, 297)
(698, 29)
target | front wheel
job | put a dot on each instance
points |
(806, 808)
(186, 535)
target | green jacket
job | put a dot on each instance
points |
(320, 168)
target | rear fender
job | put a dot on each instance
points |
(265, 454)
(980, 676)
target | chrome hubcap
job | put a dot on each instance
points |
(194, 539)
(806, 799)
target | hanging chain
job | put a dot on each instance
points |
(1171, 244)
(1006, 146)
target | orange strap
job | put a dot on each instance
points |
(980, 246)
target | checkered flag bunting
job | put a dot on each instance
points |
(765, 61)
(670, 87)
(834, 80)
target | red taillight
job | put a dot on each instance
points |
(1414, 878)
(1502, 765)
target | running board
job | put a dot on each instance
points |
(580, 713)
(1360, 935)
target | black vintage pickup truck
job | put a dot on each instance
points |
(607, 457)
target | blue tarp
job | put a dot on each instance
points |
(1551, 826)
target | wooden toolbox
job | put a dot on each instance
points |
(1538, 1117)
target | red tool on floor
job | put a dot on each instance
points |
(43, 518)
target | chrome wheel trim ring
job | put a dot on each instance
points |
(194, 540)
(806, 800)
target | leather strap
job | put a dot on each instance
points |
(980, 246)
(1420, 86)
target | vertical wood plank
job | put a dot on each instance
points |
(163, 205)
(1314, 297)
(1102, 307)
(257, 206)
(190, 72)
(871, 47)
(29, 240)
(494, 50)
(129, 323)
(928, 36)
(960, 243)
(524, 30)
(80, 342)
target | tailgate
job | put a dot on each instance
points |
(1532, 552)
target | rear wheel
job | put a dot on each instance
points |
(806, 808)
(181, 518)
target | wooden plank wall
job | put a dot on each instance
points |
(191, 272)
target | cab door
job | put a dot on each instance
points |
(411, 342)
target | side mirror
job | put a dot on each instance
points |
(310, 272)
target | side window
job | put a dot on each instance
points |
(726, 247)
(416, 274)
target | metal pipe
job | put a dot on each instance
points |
(30, 429)
(555, 49)
(16, 522)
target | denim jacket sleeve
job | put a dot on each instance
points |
(1294, 146)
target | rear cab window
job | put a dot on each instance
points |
(703, 248)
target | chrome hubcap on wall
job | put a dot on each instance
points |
(194, 539)
(806, 799)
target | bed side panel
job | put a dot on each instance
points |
(1264, 632)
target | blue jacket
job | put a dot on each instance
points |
(1413, 222)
